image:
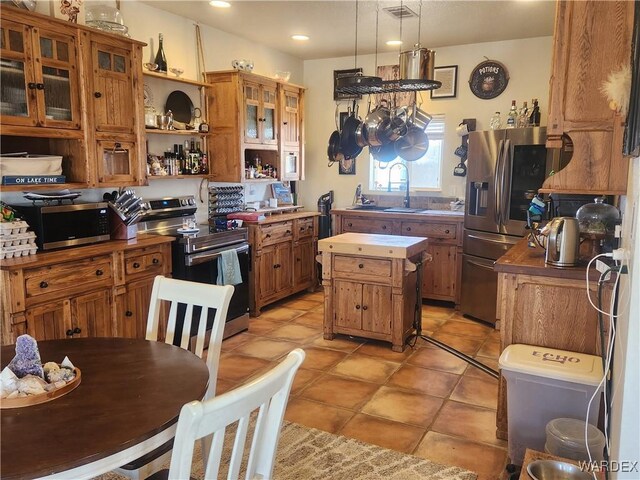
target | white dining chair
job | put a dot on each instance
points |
(266, 395)
(190, 294)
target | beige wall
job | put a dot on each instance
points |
(528, 62)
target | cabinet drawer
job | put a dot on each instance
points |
(67, 276)
(366, 225)
(431, 230)
(144, 262)
(304, 228)
(276, 233)
(362, 266)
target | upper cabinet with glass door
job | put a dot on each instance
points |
(259, 99)
(39, 77)
(291, 132)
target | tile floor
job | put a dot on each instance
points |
(423, 401)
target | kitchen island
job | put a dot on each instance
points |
(370, 285)
(545, 306)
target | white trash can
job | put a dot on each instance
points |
(543, 384)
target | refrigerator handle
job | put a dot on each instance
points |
(497, 191)
(504, 192)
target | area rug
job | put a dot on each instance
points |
(310, 454)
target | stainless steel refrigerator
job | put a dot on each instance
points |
(505, 170)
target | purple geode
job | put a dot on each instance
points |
(27, 360)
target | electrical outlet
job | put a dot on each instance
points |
(603, 267)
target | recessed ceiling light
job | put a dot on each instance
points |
(219, 4)
(394, 42)
(300, 37)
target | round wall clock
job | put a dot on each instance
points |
(488, 79)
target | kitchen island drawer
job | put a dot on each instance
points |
(275, 233)
(367, 225)
(429, 229)
(361, 266)
(146, 261)
(66, 277)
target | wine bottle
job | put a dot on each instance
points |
(534, 118)
(512, 115)
(161, 60)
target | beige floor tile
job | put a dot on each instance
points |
(317, 415)
(304, 378)
(266, 348)
(434, 311)
(486, 460)
(340, 391)
(460, 317)
(472, 371)
(296, 333)
(412, 408)
(340, 342)
(431, 382)
(437, 359)
(366, 368)
(468, 421)
(467, 345)
(321, 358)
(261, 326)
(384, 433)
(383, 350)
(477, 391)
(474, 330)
(432, 323)
(238, 368)
(303, 304)
(310, 319)
(230, 343)
(490, 348)
(281, 314)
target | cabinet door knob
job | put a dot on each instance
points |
(40, 86)
(155, 261)
(357, 307)
(364, 307)
(288, 232)
(285, 123)
(97, 94)
(99, 272)
(77, 330)
(298, 259)
(128, 313)
(44, 284)
(446, 231)
(408, 229)
(268, 235)
(360, 265)
(384, 227)
(69, 333)
(136, 265)
(31, 85)
(350, 224)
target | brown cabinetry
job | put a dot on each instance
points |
(92, 291)
(75, 92)
(442, 277)
(592, 39)
(252, 116)
(283, 257)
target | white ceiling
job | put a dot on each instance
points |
(331, 24)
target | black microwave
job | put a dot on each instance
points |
(59, 226)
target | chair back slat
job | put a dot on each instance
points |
(202, 327)
(186, 326)
(171, 323)
(269, 393)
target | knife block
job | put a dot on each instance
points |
(120, 231)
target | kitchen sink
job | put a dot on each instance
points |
(401, 210)
(367, 207)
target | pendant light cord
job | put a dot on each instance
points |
(401, 15)
(419, 21)
(377, 14)
(355, 57)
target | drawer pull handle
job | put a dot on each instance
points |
(99, 273)
(155, 261)
(44, 284)
(446, 231)
(364, 307)
(128, 313)
(288, 232)
(360, 265)
(408, 229)
(357, 307)
(136, 265)
(268, 235)
(350, 224)
(277, 265)
(384, 227)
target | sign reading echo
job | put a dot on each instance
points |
(488, 79)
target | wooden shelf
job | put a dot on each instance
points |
(48, 186)
(190, 133)
(173, 177)
(147, 73)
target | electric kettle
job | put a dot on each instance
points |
(563, 242)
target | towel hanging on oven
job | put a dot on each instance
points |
(229, 268)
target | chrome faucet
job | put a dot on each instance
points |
(407, 201)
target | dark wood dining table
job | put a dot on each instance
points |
(127, 404)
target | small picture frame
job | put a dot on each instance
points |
(448, 76)
(282, 192)
(340, 74)
(347, 166)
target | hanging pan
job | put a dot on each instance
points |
(384, 153)
(348, 142)
(333, 149)
(413, 145)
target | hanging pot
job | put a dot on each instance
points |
(417, 64)
(375, 123)
(420, 118)
(348, 143)
(333, 150)
(384, 153)
(413, 145)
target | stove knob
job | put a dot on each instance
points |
(183, 202)
(192, 201)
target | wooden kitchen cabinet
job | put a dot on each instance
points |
(543, 306)
(362, 307)
(94, 290)
(442, 278)
(283, 257)
(591, 40)
(251, 116)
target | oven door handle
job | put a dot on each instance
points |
(198, 258)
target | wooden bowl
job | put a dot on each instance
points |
(42, 397)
